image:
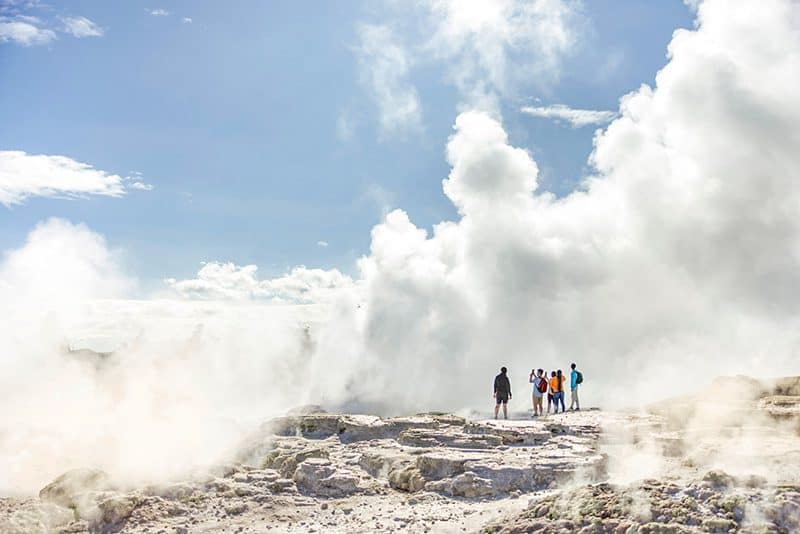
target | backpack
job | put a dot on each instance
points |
(542, 387)
(579, 378)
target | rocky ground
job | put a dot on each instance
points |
(724, 461)
(685, 466)
(337, 473)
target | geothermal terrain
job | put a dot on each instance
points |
(727, 460)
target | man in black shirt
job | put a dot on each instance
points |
(502, 392)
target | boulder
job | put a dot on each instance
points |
(318, 476)
(438, 465)
(312, 426)
(380, 462)
(467, 485)
(286, 461)
(407, 479)
(354, 428)
(115, 510)
(65, 489)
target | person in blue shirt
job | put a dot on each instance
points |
(573, 386)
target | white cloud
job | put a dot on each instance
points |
(492, 45)
(186, 20)
(229, 281)
(142, 186)
(25, 175)
(384, 67)
(680, 255)
(26, 31)
(575, 117)
(81, 27)
(322, 244)
(159, 12)
(57, 250)
(488, 49)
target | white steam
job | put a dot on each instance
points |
(677, 262)
(185, 383)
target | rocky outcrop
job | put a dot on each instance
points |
(716, 502)
(781, 406)
(423, 437)
(319, 476)
(286, 462)
(313, 471)
(67, 488)
(352, 428)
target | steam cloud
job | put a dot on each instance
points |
(677, 261)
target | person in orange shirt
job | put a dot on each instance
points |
(551, 391)
(557, 387)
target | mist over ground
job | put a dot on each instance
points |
(677, 261)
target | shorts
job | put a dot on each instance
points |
(502, 398)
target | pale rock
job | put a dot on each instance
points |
(64, 489)
(407, 479)
(116, 509)
(286, 461)
(415, 437)
(319, 477)
(467, 485)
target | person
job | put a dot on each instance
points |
(551, 391)
(574, 383)
(538, 394)
(502, 392)
(557, 384)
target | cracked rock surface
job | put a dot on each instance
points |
(338, 473)
(725, 461)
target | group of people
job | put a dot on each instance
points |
(554, 388)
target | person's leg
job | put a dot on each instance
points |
(540, 405)
(563, 407)
(572, 399)
(577, 400)
(533, 403)
(505, 410)
(496, 409)
(549, 401)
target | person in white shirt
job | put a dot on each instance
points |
(539, 382)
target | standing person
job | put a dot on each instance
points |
(575, 380)
(539, 387)
(502, 392)
(558, 396)
(551, 391)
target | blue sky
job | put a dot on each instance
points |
(236, 117)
